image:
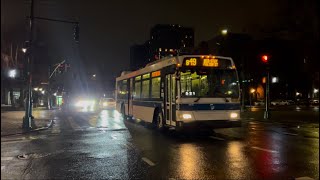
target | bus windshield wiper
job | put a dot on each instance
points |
(197, 99)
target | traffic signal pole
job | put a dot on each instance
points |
(28, 122)
(265, 59)
(267, 112)
(28, 119)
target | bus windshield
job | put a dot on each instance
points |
(209, 83)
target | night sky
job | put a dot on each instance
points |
(109, 27)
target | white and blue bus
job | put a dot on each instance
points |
(182, 91)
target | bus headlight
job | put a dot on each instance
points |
(186, 116)
(234, 115)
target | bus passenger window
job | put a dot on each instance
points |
(155, 87)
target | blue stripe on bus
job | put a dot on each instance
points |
(195, 107)
(147, 103)
(190, 107)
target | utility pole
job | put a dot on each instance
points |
(28, 122)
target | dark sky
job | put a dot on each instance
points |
(109, 27)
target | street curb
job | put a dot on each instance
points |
(33, 130)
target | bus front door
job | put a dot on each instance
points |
(170, 108)
(130, 98)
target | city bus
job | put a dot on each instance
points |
(181, 92)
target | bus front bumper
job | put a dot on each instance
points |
(214, 124)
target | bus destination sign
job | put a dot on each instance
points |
(205, 62)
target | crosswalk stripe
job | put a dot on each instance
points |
(15, 141)
(6, 158)
(304, 178)
(291, 134)
(266, 150)
(213, 137)
(148, 161)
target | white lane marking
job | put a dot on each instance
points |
(291, 134)
(262, 149)
(13, 141)
(213, 137)
(73, 124)
(6, 158)
(304, 178)
(148, 161)
(2, 167)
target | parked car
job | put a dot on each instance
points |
(280, 102)
(291, 102)
(107, 103)
(275, 102)
(259, 103)
(314, 101)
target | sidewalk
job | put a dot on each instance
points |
(11, 121)
(286, 118)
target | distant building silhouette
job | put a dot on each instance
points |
(165, 40)
(169, 39)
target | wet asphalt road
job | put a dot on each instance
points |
(103, 146)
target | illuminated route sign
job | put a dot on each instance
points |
(211, 62)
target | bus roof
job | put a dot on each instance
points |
(164, 62)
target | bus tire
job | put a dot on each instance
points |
(158, 120)
(123, 112)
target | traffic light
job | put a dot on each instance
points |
(63, 67)
(76, 32)
(66, 67)
(265, 58)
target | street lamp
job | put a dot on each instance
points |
(251, 94)
(24, 50)
(12, 73)
(224, 32)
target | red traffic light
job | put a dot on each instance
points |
(265, 58)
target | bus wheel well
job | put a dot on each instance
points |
(155, 113)
(158, 120)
